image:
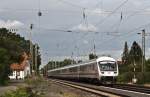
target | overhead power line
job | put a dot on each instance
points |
(122, 4)
(127, 34)
(71, 4)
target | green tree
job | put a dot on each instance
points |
(135, 55)
(4, 65)
(125, 55)
(12, 46)
(92, 56)
(147, 65)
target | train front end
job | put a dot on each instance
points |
(108, 70)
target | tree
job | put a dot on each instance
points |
(92, 56)
(12, 46)
(135, 56)
(125, 55)
(148, 65)
(135, 53)
(4, 65)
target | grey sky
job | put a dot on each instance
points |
(68, 15)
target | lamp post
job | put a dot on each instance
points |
(143, 49)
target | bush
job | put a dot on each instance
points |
(128, 76)
(125, 77)
(143, 77)
(21, 92)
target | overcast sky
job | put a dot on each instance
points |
(105, 23)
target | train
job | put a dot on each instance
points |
(102, 70)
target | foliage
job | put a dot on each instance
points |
(133, 60)
(21, 92)
(12, 46)
(125, 77)
(125, 55)
(147, 67)
(135, 53)
(56, 64)
(92, 56)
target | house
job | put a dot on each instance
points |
(22, 70)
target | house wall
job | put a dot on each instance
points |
(17, 75)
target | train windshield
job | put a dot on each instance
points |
(108, 66)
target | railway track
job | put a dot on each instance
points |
(117, 90)
(87, 88)
(135, 88)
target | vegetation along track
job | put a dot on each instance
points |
(135, 88)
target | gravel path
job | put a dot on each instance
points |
(51, 89)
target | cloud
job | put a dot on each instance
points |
(85, 42)
(1, 10)
(10, 24)
(85, 28)
(137, 3)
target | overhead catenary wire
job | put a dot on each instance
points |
(126, 34)
(71, 4)
(125, 19)
(102, 21)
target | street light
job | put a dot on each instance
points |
(143, 49)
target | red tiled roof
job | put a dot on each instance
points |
(22, 65)
(16, 66)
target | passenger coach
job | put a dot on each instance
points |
(103, 70)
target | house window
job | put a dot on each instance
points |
(18, 73)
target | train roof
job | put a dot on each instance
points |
(105, 58)
(84, 63)
(74, 65)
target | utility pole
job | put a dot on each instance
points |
(143, 50)
(94, 49)
(35, 58)
(31, 48)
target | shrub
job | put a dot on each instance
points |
(21, 92)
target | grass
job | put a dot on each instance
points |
(21, 92)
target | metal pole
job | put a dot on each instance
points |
(143, 50)
(31, 47)
(36, 58)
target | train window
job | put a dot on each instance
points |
(63, 71)
(88, 67)
(82, 68)
(70, 69)
(93, 66)
(108, 66)
(75, 69)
